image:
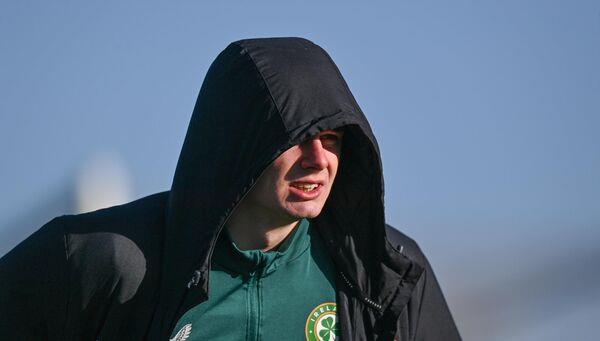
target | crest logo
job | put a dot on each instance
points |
(321, 323)
(183, 333)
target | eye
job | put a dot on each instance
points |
(332, 141)
(332, 137)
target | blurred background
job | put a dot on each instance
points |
(487, 115)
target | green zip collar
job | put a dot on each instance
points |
(257, 262)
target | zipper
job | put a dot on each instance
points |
(253, 301)
(369, 302)
(194, 280)
(198, 274)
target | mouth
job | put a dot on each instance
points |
(306, 190)
(306, 187)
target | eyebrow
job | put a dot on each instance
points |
(332, 131)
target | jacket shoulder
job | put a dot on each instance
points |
(434, 320)
(405, 244)
(143, 211)
(117, 244)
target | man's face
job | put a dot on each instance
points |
(297, 183)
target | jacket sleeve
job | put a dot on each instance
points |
(433, 320)
(33, 285)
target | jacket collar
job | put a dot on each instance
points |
(248, 262)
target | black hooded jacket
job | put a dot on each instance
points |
(129, 272)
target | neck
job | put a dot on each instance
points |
(253, 229)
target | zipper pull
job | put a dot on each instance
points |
(195, 280)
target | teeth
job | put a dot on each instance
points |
(306, 188)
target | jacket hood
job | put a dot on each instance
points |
(259, 98)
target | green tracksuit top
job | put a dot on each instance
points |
(287, 294)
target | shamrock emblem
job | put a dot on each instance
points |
(330, 329)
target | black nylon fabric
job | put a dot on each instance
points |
(131, 271)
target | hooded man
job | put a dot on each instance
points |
(273, 229)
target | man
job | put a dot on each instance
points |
(274, 228)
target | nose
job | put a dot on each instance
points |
(313, 154)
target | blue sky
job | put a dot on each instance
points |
(487, 113)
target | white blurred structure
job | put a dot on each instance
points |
(102, 182)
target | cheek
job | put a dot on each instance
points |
(334, 164)
(274, 186)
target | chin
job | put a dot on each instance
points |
(305, 212)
